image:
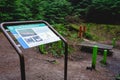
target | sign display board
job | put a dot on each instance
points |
(30, 35)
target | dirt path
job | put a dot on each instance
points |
(38, 66)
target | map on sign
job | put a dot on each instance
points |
(30, 35)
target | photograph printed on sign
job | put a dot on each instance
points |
(29, 36)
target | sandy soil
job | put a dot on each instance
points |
(39, 67)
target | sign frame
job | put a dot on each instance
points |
(31, 35)
(5, 31)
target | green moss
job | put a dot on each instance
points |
(74, 26)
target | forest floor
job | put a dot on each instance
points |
(40, 67)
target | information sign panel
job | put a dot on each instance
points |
(30, 35)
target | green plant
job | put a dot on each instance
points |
(61, 28)
(56, 48)
(117, 77)
(88, 35)
(42, 49)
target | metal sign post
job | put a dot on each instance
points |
(30, 34)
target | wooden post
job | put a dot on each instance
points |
(82, 30)
(80, 33)
(94, 56)
(104, 57)
(114, 42)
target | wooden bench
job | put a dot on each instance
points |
(88, 47)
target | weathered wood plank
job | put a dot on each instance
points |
(91, 44)
(87, 46)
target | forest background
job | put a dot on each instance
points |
(101, 16)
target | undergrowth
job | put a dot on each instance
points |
(99, 32)
(95, 32)
(57, 49)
